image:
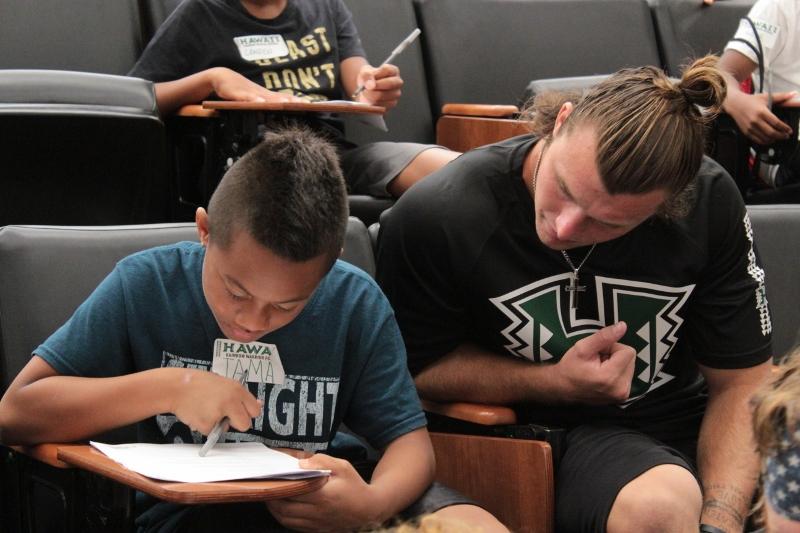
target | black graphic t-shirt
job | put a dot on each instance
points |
(460, 261)
(298, 52)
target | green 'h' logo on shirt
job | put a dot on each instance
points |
(543, 326)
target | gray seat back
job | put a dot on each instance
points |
(88, 35)
(688, 29)
(777, 235)
(154, 13)
(48, 271)
(32, 89)
(357, 248)
(486, 51)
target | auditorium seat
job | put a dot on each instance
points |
(80, 148)
(89, 35)
(688, 29)
(463, 127)
(487, 51)
(80, 144)
(47, 273)
(777, 235)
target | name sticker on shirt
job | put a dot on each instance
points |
(262, 361)
(767, 32)
(257, 47)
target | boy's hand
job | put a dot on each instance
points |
(343, 503)
(754, 118)
(598, 369)
(231, 85)
(201, 399)
(382, 85)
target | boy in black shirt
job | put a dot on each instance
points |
(284, 50)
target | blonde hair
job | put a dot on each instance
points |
(650, 130)
(776, 408)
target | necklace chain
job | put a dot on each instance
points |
(574, 287)
(585, 257)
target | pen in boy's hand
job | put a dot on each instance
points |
(213, 437)
(396, 52)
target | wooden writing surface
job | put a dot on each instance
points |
(86, 457)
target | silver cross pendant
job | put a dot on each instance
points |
(574, 288)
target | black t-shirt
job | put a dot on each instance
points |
(299, 51)
(460, 261)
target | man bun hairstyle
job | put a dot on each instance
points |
(287, 193)
(650, 130)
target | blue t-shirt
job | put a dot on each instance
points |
(343, 355)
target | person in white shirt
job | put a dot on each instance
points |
(772, 43)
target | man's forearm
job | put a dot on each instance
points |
(727, 459)
(474, 374)
(724, 507)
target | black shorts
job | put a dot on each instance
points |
(370, 167)
(436, 497)
(598, 461)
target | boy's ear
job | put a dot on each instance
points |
(201, 220)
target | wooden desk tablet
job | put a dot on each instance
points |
(88, 458)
